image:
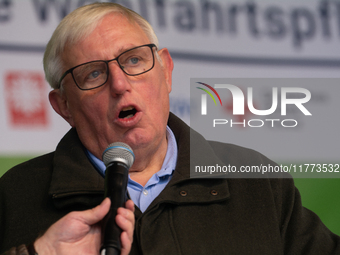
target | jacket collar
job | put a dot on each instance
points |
(74, 178)
(76, 181)
(183, 189)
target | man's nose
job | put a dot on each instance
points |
(118, 80)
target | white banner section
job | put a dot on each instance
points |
(206, 38)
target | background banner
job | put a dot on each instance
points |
(206, 39)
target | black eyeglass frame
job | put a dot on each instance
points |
(151, 46)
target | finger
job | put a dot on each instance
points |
(94, 215)
(127, 213)
(125, 219)
(126, 243)
(130, 205)
(127, 235)
(126, 222)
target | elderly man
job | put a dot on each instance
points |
(111, 83)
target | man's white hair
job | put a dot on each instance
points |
(78, 25)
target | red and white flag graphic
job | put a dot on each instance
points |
(26, 98)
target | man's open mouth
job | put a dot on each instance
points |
(127, 112)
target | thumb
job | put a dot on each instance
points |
(96, 214)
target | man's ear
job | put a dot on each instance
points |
(167, 66)
(59, 103)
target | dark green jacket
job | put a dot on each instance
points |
(190, 216)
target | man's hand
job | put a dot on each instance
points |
(80, 232)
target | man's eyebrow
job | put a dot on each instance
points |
(125, 48)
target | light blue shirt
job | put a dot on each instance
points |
(143, 196)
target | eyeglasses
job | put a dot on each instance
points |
(94, 74)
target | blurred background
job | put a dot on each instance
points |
(207, 39)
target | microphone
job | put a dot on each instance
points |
(118, 158)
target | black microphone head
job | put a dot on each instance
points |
(118, 151)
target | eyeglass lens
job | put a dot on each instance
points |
(132, 62)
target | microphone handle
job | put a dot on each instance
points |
(116, 178)
(110, 251)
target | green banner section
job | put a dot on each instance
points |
(322, 196)
(7, 162)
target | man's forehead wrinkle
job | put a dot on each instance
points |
(124, 22)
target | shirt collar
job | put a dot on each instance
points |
(170, 160)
